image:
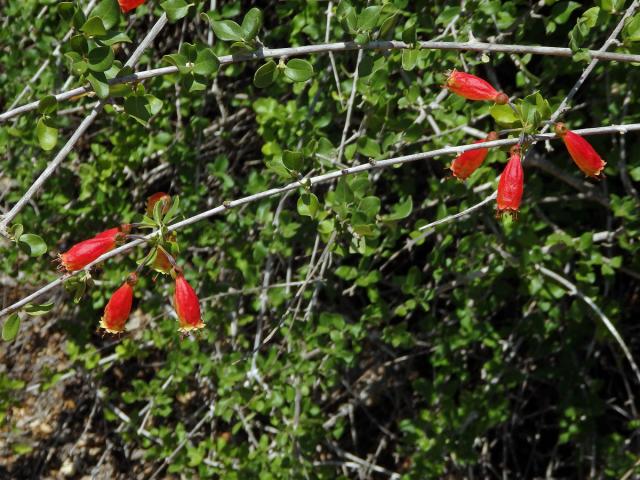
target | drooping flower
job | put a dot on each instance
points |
(511, 184)
(474, 88)
(118, 308)
(83, 253)
(127, 5)
(468, 162)
(158, 197)
(583, 154)
(187, 305)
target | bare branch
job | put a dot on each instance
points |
(318, 179)
(266, 53)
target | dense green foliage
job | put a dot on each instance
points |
(387, 349)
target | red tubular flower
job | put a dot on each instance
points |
(511, 184)
(155, 198)
(583, 154)
(113, 232)
(126, 5)
(83, 253)
(187, 305)
(474, 88)
(468, 162)
(118, 309)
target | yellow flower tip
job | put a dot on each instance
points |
(108, 329)
(190, 328)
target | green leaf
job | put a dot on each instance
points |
(387, 27)
(48, 105)
(632, 29)
(612, 6)
(15, 231)
(79, 19)
(100, 59)
(368, 18)
(266, 74)
(370, 206)
(66, 10)
(108, 11)
(409, 34)
(178, 60)
(99, 83)
(298, 70)
(94, 27)
(194, 83)
(79, 44)
(240, 48)
(293, 160)
(10, 328)
(113, 38)
(400, 211)
(136, 107)
(409, 58)
(228, 30)
(35, 243)
(142, 107)
(47, 135)
(308, 205)
(561, 11)
(206, 63)
(176, 9)
(252, 23)
(36, 310)
(503, 114)
(585, 23)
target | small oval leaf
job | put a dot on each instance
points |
(10, 328)
(266, 74)
(47, 136)
(35, 243)
(298, 70)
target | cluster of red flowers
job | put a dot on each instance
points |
(511, 183)
(118, 308)
(126, 5)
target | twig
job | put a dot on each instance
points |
(352, 98)
(332, 58)
(326, 177)
(266, 53)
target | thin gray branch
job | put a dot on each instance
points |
(311, 181)
(266, 53)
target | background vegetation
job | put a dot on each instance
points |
(340, 341)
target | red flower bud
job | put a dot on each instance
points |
(511, 184)
(155, 198)
(83, 253)
(187, 305)
(468, 162)
(583, 154)
(474, 88)
(118, 309)
(126, 5)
